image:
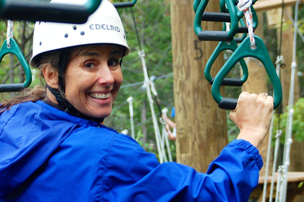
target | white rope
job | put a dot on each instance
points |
(288, 137)
(279, 63)
(162, 142)
(245, 6)
(9, 32)
(276, 151)
(149, 95)
(279, 182)
(130, 99)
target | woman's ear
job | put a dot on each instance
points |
(50, 75)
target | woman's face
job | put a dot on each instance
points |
(93, 78)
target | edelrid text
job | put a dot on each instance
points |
(104, 27)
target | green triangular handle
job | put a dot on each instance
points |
(244, 50)
(223, 45)
(14, 49)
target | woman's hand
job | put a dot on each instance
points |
(253, 115)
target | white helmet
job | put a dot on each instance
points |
(104, 26)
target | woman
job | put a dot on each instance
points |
(53, 147)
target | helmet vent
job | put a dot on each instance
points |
(66, 36)
(74, 27)
(82, 33)
(40, 43)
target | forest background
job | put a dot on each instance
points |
(150, 31)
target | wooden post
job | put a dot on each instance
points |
(201, 125)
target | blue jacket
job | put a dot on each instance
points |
(49, 155)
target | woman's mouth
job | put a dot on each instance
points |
(100, 95)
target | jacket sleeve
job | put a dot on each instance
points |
(135, 175)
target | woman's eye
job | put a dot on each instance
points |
(113, 62)
(89, 65)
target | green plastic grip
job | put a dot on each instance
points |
(199, 8)
(223, 45)
(125, 4)
(14, 49)
(244, 50)
(52, 12)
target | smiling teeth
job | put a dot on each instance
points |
(100, 96)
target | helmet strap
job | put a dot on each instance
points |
(62, 102)
(123, 54)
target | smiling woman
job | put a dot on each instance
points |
(54, 148)
(95, 77)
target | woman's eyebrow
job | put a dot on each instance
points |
(87, 53)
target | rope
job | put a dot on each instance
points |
(135, 27)
(149, 95)
(130, 99)
(10, 32)
(245, 6)
(288, 138)
(150, 87)
(278, 66)
(279, 63)
(276, 151)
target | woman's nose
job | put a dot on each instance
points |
(105, 75)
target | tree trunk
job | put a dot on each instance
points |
(201, 125)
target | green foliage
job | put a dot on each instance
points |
(280, 122)
(300, 185)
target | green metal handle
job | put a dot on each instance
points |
(52, 12)
(14, 49)
(244, 50)
(125, 4)
(214, 35)
(223, 45)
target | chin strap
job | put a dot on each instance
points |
(62, 102)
